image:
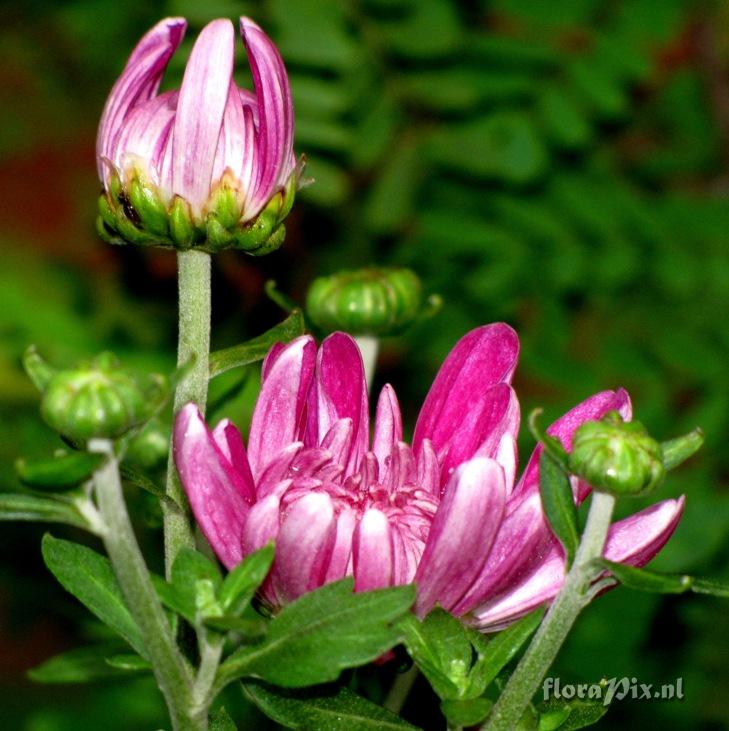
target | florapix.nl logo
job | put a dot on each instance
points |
(609, 689)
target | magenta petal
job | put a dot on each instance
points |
(211, 485)
(200, 109)
(461, 534)
(338, 441)
(521, 542)
(263, 521)
(388, 425)
(481, 429)
(340, 563)
(428, 468)
(138, 83)
(279, 412)
(230, 443)
(372, 552)
(304, 546)
(482, 358)
(340, 392)
(276, 114)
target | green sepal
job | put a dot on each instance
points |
(39, 371)
(272, 243)
(225, 208)
(182, 231)
(678, 450)
(558, 502)
(254, 234)
(106, 211)
(552, 445)
(62, 472)
(218, 236)
(149, 207)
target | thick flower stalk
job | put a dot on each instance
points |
(444, 511)
(208, 166)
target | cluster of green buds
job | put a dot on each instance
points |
(373, 301)
(621, 458)
(96, 399)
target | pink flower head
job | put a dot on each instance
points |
(444, 512)
(184, 142)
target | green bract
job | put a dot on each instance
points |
(372, 301)
(99, 400)
(135, 213)
(617, 457)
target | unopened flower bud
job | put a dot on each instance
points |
(616, 456)
(209, 166)
(98, 399)
(373, 301)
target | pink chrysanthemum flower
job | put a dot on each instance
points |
(444, 512)
(185, 146)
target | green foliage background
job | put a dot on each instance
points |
(561, 166)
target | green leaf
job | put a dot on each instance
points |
(645, 580)
(323, 632)
(558, 503)
(220, 720)
(81, 665)
(129, 662)
(144, 483)
(441, 647)
(502, 648)
(466, 712)
(256, 349)
(192, 589)
(59, 473)
(241, 583)
(570, 715)
(44, 508)
(90, 578)
(323, 709)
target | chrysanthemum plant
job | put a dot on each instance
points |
(340, 546)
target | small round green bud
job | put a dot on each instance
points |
(616, 456)
(97, 399)
(373, 301)
(149, 447)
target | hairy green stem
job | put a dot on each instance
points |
(172, 673)
(557, 623)
(193, 350)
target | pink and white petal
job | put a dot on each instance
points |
(480, 430)
(338, 440)
(540, 587)
(372, 552)
(340, 564)
(340, 392)
(277, 470)
(521, 543)
(138, 82)
(564, 428)
(279, 413)
(230, 152)
(144, 136)
(428, 468)
(634, 540)
(200, 110)
(637, 539)
(264, 520)
(304, 546)
(481, 358)
(506, 455)
(388, 425)
(461, 534)
(230, 443)
(211, 486)
(276, 114)
(271, 358)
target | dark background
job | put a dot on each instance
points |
(561, 166)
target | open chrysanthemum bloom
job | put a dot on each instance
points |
(444, 511)
(209, 165)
